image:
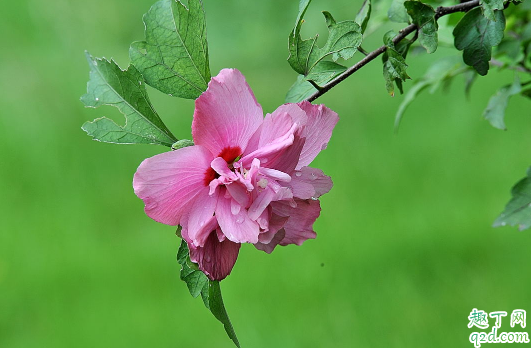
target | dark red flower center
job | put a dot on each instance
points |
(229, 154)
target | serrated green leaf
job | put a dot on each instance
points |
(423, 17)
(490, 6)
(397, 12)
(324, 72)
(343, 41)
(476, 35)
(364, 14)
(174, 56)
(518, 211)
(190, 274)
(394, 70)
(344, 38)
(495, 111)
(125, 90)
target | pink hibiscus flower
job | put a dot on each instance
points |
(246, 178)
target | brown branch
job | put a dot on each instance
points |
(440, 12)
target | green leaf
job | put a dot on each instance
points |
(199, 284)
(324, 72)
(300, 90)
(518, 210)
(423, 17)
(394, 70)
(110, 85)
(364, 14)
(218, 309)
(344, 38)
(174, 57)
(490, 6)
(394, 63)
(476, 35)
(190, 273)
(397, 12)
(495, 111)
(343, 41)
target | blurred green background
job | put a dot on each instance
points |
(405, 247)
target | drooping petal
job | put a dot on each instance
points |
(200, 221)
(226, 114)
(299, 226)
(215, 258)
(169, 182)
(275, 224)
(310, 182)
(270, 246)
(318, 130)
(238, 228)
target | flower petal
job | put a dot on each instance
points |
(239, 228)
(270, 246)
(318, 130)
(299, 226)
(310, 182)
(216, 259)
(260, 203)
(169, 182)
(200, 221)
(286, 160)
(226, 114)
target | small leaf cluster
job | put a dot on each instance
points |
(307, 59)
(173, 58)
(489, 33)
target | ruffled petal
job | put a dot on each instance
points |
(318, 130)
(271, 245)
(216, 259)
(226, 114)
(169, 182)
(269, 153)
(310, 182)
(286, 160)
(238, 227)
(299, 226)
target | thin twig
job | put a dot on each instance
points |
(521, 68)
(440, 12)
